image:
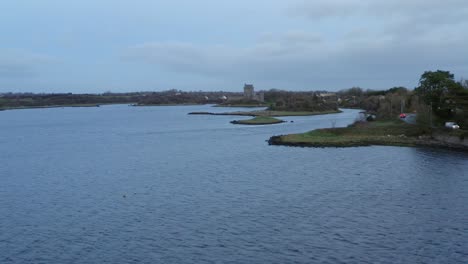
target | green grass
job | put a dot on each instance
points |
(172, 104)
(259, 120)
(241, 105)
(291, 113)
(460, 133)
(268, 113)
(395, 133)
(49, 106)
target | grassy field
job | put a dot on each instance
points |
(267, 113)
(259, 120)
(293, 113)
(181, 104)
(461, 134)
(50, 106)
(241, 105)
(394, 133)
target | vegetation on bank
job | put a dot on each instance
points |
(388, 132)
(168, 104)
(177, 97)
(50, 106)
(437, 99)
(455, 133)
(276, 100)
(300, 101)
(30, 100)
(170, 97)
(242, 103)
(267, 113)
(383, 133)
(259, 120)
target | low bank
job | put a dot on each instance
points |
(241, 105)
(268, 113)
(169, 104)
(259, 120)
(49, 106)
(380, 133)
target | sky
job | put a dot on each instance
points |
(95, 46)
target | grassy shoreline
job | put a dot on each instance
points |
(379, 133)
(267, 113)
(259, 120)
(182, 104)
(241, 105)
(50, 106)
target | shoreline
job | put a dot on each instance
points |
(241, 105)
(51, 106)
(259, 120)
(91, 105)
(267, 113)
(430, 143)
(378, 133)
(187, 104)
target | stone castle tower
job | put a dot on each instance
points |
(249, 92)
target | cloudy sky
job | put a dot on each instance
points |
(135, 45)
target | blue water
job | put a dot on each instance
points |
(120, 184)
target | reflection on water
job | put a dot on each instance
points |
(120, 184)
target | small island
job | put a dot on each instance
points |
(259, 120)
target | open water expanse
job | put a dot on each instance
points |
(120, 184)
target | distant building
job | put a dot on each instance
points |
(249, 93)
(328, 97)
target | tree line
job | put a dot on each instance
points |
(438, 98)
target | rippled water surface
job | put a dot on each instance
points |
(120, 184)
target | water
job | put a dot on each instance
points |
(120, 184)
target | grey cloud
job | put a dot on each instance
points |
(180, 57)
(390, 41)
(14, 63)
(220, 59)
(320, 9)
(300, 36)
(368, 60)
(11, 70)
(399, 17)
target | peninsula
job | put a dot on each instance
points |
(384, 133)
(438, 117)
